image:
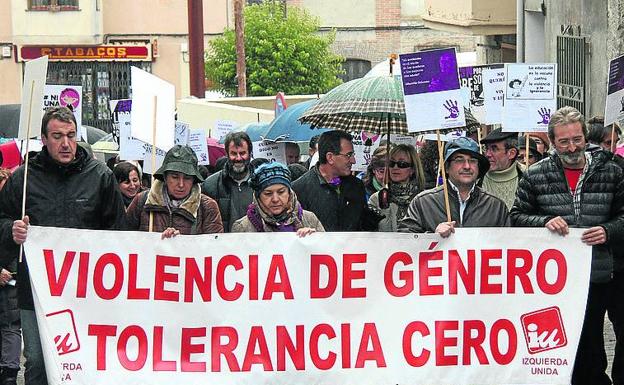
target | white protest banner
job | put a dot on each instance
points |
(272, 151)
(530, 96)
(472, 78)
(445, 137)
(130, 148)
(35, 73)
(148, 167)
(484, 306)
(614, 106)
(65, 96)
(147, 89)
(493, 95)
(181, 133)
(197, 141)
(222, 128)
(364, 144)
(430, 78)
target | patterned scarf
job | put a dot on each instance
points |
(402, 194)
(288, 221)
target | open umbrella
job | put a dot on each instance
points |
(287, 127)
(373, 104)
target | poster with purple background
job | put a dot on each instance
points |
(614, 106)
(433, 97)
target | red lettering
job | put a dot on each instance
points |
(466, 272)
(253, 277)
(318, 260)
(562, 271)
(425, 272)
(83, 275)
(442, 342)
(474, 342)
(257, 340)
(55, 284)
(122, 344)
(277, 267)
(101, 332)
(226, 350)
(224, 263)
(405, 277)
(411, 359)
(498, 327)
(133, 291)
(113, 260)
(193, 277)
(521, 272)
(345, 345)
(488, 270)
(187, 348)
(319, 362)
(349, 275)
(369, 335)
(158, 363)
(295, 351)
(160, 294)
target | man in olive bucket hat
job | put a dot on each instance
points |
(175, 201)
(470, 205)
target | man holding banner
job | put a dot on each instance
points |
(574, 188)
(470, 205)
(67, 189)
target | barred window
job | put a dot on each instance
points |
(53, 5)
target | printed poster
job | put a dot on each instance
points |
(35, 72)
(222, 128)
(130, 148)
(430, 78)
(271, 151)
(614, 106)
(530, 96)
(197, 141)
(471, 78)
(364, 144)
(493, 95)
(65, 96)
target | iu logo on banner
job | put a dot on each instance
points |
(63, 329)
(543, 330)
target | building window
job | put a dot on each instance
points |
(354, 69)
(53, 5)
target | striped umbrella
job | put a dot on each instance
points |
(373, 104)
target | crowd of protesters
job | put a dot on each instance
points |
(572, 179)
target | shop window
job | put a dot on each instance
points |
(53, 5)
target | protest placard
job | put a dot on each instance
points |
(530, 96)
(364, 144)
(65, 96)
(272, 151)
(430, 78)
(614, 106)
(493, 95)
(153, 107)
(181, 133)
(471, 78)
(484, 306)
(130, 148)
(35, 72)
(148, 167)
(197, 141)
(222, 128)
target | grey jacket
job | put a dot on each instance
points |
(308, 219)
(232, 198)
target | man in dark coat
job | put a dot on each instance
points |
(230, 186)
(330, 191)
(575, 188)
(470, 205)
(66, 188)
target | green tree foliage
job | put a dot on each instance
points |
(282, 54)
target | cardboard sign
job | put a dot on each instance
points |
(222, 128)
(119, 108)
(181, 133)
(364, 144)
(197, 141)
(530, 97)
(272, 151)
(130, 148)
(65, 96)
(484, 306)
(493, 95)
(430, 78)
(472, 79)
(614, 106)
(35, 73)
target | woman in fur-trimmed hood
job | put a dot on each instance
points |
(175, 200)
(275, 207)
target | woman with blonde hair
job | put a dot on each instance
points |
(407, 179)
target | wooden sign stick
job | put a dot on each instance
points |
(32, 88)
(444, 185)
(151, 216)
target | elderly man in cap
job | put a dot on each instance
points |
(470, 205)
(501, 150)
(534, 155)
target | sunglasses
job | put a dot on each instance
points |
(399, 164)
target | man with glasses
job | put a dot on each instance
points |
(330, 191)
(470, 205)
(501, 150)
(575, 188)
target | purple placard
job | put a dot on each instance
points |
(616, 75)
(429, 71)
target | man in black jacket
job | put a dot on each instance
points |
(575, 188)
(470, 205)
(66, 188)
(330, 191)
(230, 186)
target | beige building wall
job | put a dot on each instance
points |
(10, 74)
(344, 13)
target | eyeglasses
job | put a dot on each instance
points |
(348, 154)
(461, 161)
(566, 142)
(399, 164)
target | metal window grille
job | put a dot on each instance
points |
(571, 72)
(53, 5)
(354, 69)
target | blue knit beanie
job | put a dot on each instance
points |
(269, 174)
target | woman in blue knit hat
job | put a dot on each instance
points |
(275, 207)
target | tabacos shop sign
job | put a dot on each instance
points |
(84, 53)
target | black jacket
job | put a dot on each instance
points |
(80, 195)
(232, 198)
(427, 210)
(543, 194)
(339, 209)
